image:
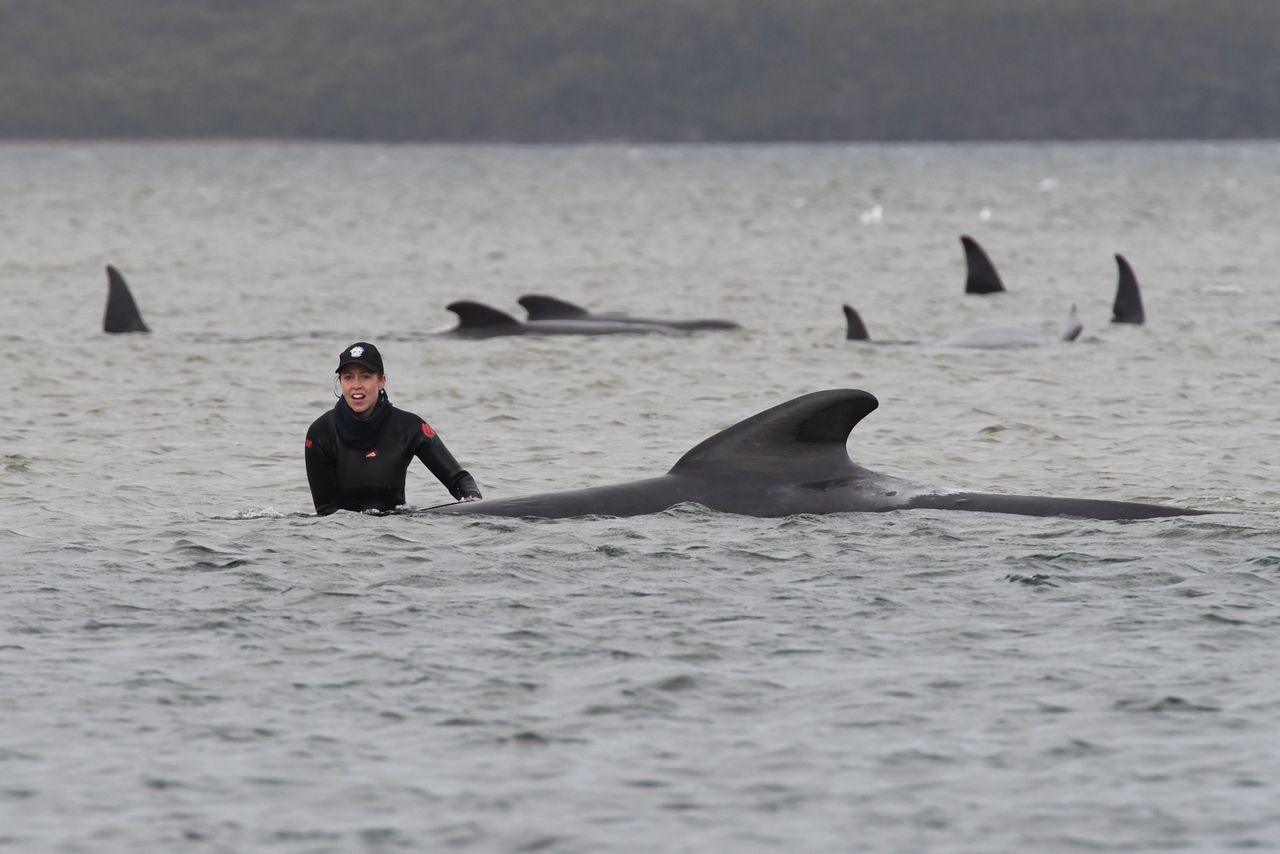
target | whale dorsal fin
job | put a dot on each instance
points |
(855, 329)
(549, 308)
(122, 312)
(800, 440)
(1128, 304)
(1071, 325)
(980, 274)
(473, 315)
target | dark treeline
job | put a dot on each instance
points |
(657, 70)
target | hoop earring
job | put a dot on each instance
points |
(337, 387)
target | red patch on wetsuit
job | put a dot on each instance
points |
(370, 455)
(427, 431)
(308, 443)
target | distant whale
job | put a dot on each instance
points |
(980, 274)
(856, 330)
(123, 316)
(787, 460)
(540, 307)
(1128, 305)
(122, 312)
(477, 320)
(981, 338)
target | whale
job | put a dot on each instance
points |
(980, 338)
(541, 307)
(122, 313)
(1127, 307)
(856, 330)
(980, 274)
(477, 320)
(790, 459)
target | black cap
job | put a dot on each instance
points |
(361, 353)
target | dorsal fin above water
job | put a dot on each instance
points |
(980, 274)
(542, 307)
(122, 313)
(800, 440)
(1128, 304)
(1071, 326)
(855, 329)
(473, 315)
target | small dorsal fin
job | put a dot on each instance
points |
(800, 440)
(1071, 326)
(1128, 305)
(542, 307)
(855, 329)
(476, 314)
(122, 313)
(980, 274)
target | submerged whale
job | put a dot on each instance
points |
(477, 320)
(541, 307)
(1128, 305)
(787, 460)
(980, 274)
(981, 338)
(122, 313)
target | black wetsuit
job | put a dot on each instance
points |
(360, 464)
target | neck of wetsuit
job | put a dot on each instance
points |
(362, 433)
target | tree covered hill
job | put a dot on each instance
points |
(652, 70)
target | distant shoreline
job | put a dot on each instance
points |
(661, 72)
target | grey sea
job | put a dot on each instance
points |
(192, 661)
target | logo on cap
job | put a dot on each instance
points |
(357, 352)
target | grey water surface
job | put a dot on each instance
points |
(191, 661)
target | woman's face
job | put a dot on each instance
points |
(360, 387)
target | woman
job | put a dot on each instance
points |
(358, 452)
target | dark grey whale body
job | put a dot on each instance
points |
(980, 274)
(856, 330)
(981, 278)
(122, 313)
(788, 460)
(1127, 307)
(541, 307)
(477, 320)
